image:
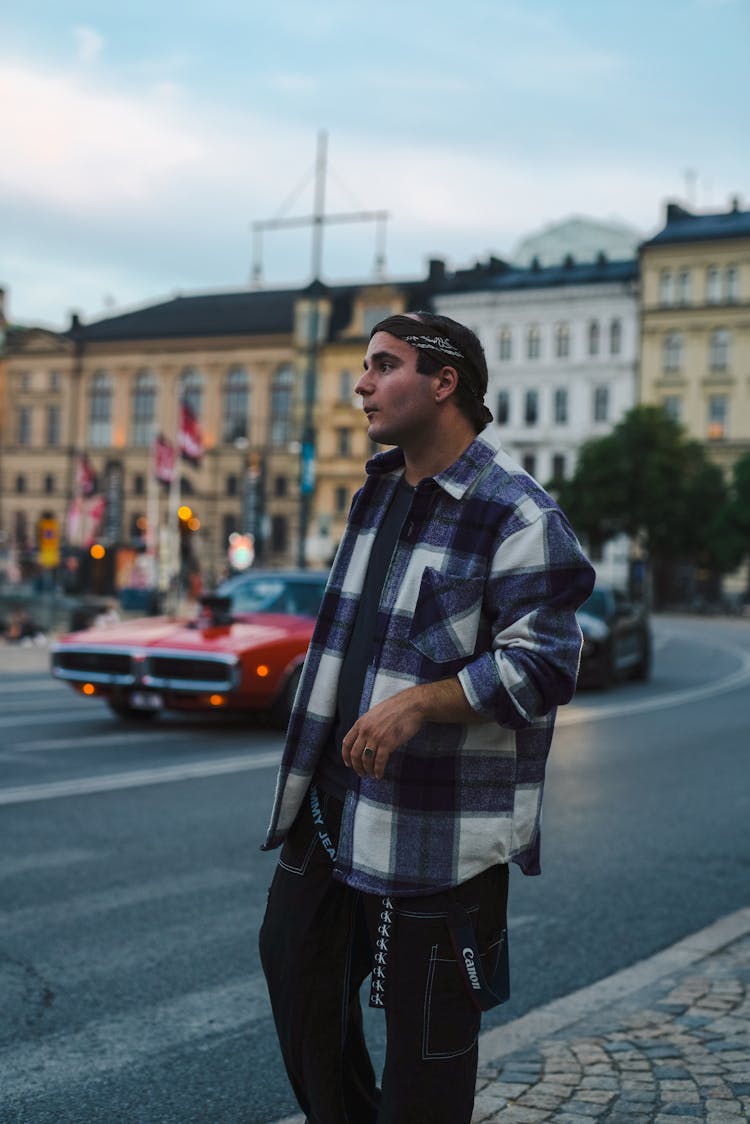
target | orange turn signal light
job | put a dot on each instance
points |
(217, 700)
(262, 670)
(88, 689)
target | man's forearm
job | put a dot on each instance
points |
(443, 701)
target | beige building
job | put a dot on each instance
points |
(104, 391)
(695, 326)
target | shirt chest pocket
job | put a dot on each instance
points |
(446, 619)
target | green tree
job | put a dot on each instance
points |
(647, 480)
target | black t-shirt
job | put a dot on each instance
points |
(332, 775)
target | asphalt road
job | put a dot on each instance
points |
(132, 887)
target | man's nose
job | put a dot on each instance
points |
(363, 386)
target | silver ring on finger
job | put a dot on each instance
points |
(368, 751)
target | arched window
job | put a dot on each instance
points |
(505, 344)
(615, 337)
(594, 337)
(533, 343)
(236, 405)
(144, 409)
(713, 285)
(666, 287)
(100, 410)
(282, 399)
(191, 389)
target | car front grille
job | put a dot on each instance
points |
(188, 672)
(93, 663)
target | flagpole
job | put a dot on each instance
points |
(175, 498)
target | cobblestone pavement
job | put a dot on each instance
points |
(674, 1051)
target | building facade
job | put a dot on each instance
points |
(695, 326)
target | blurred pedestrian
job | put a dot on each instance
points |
(415, 755)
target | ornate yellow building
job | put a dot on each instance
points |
(695, 326)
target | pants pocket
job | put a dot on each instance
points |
(451, 1020)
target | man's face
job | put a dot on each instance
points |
(399, 402)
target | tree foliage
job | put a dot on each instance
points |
(647, 480)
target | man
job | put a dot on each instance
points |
(415, 755)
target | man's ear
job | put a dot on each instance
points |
(446, 383)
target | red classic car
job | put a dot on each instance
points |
(243, 651)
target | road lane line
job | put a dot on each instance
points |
(45, 860)
(41, 718)
(570, 716)
(139, 778)
(108, 1046)
(118, 737)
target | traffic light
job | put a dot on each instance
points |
(241, 551)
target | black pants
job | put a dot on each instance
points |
(317, 943)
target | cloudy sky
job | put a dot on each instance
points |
(141, 140)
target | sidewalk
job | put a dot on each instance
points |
(25, 657)
(664, 1042)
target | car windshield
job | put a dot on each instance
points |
(596, 605)
(272, 594)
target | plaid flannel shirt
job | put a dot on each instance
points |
(483, 585)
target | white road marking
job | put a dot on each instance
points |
(48, 716)
(138, 778)
(118, 737)
(46, 860)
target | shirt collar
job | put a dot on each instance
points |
(459, 476)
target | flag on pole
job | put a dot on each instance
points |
(189, 440)
(85, 476)
(164, 459)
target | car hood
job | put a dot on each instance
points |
(250, 631)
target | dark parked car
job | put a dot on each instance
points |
(616, 639)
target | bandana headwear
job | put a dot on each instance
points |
(434, 343)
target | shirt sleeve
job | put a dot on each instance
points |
(539, 577)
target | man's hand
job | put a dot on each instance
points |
(391, 723)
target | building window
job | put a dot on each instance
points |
(529, 463)
(343, 442)
(346, 390)
(20, 485)
(53, 426)
(55, 381)
(231, 487)
(23, 430)
(534, 343)
(672, 352)
(666, 287)
(561, 406)
(280, 486)
(23, 382)
(49, 485)
(713, 285)
(282, 391)
(594, 337)
(139, 484)
(372, 315)
(672, 406)
(558, 467)
(719, 350)
(341, 501)
(236, 405)
(733, 283)
(562, 341)
(502, 413)
(684, 286)
(144, 409)
(615, 337)
(718, 412)
(229, 525)
(601, 403)
(100, 410)
(505, 344)
(531, 407)
(279, 534)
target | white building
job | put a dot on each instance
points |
(562, 346)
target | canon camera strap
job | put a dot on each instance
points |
(485, 995)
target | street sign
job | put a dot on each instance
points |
(49, 542)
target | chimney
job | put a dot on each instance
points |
(675, 212)
(436, 270)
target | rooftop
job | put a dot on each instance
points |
(686, 226)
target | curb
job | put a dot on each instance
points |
(562, 1013)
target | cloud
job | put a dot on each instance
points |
(89, 44)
